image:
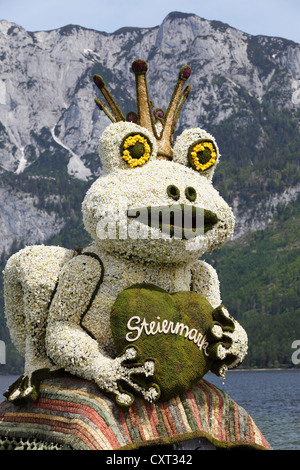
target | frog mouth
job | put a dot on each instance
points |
(177, 220)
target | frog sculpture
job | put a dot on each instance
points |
(152, 215)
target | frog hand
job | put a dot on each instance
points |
(228, 342)
(114, 372)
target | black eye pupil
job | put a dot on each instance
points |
(173, 192)
(137, 150)
(204, 156)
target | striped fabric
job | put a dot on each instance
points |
(74, 414)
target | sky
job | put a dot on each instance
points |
(279, 18)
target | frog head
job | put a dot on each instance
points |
(155, 201)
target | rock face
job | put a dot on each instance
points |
(47, 111)
(21, 220)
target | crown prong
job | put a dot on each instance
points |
(144, 106)
(117, 113)
(173, 111)
(102, 106)
(181, 101)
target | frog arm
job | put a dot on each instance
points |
(73, 348)
(69, 345)
(205, 282)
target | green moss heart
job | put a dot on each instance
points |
(168, 328)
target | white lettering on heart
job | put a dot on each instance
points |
(136, 327)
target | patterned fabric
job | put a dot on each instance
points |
(73, 414)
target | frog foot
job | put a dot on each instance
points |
(228, 342)
(21, 391)
(27, 387)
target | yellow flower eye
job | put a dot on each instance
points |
(202, 155)
(136, 150)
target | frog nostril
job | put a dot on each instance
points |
(173, 192)
(190, 193)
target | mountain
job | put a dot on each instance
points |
(245, 91)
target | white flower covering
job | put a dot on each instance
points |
(147, 186)
(183, 143)
(111, 139)
(63, 328)
(217, 331)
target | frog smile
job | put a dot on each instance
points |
(177, 220)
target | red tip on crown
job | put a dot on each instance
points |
(99, 82)
(185, 72)
(139, 66)
(132, 117)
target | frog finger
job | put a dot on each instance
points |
(219, 351)
(221, 315)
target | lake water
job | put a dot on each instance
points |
(271, 397)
